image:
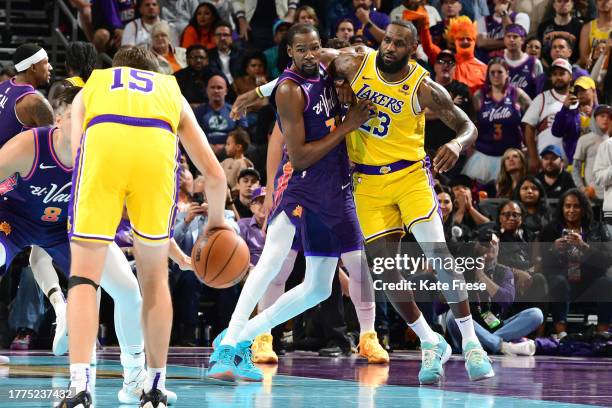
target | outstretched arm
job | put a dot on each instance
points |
(435, 97)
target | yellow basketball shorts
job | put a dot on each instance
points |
(388, 203)
(121, 165)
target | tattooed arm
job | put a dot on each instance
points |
(34, 111)
(434, 97)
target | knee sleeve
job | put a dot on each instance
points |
(43, 270)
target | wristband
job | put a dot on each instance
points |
(266, 89)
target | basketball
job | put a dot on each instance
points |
(220, 260)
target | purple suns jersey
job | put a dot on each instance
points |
(524, 76)
(46, 189)
(499, 124)
(320, 187)
(10, 94)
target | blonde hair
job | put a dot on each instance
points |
(504, 180)
(311, 12)
(161, 26)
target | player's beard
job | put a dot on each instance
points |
(309, 72)
(393, 67)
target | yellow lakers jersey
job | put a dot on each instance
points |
(75, 81)
(132, 92)
(397, 132)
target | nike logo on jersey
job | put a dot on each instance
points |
(366, 78)
(346, 186)
(43, 167)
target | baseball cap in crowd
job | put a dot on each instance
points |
(585, 82)
(561, 63)
(556, 150)
(603, 109)
(249, 172)
(278, 24)
(258, 192)
(445, 55)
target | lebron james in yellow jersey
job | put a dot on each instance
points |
(392, 182)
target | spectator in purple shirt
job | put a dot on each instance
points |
(492, 328)
(251, 229)
(368, 22)
(109, 19)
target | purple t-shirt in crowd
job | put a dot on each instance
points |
(254, 237)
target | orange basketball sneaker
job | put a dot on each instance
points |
(262, 350)
(370, 348)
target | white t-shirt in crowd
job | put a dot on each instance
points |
(541, 114)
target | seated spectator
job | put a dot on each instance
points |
(251, 228)
(235, 146)
(594, 35)
(253, 74)
(138, 31)
(575, 261)
(248, 180)
(186, 287)
(540, 116)
(201, 27)
(214, 116)
(533, 47)
(602, 74)
(169, 58)
(453, 232)
(279, 29)
(345, 29)
(515, 251)
(563, 23)
(523, 68)
(185, 190)
(555, 180)
(531, 194)
(513, 169)
(225, 57)
(178, 13)
(369, 22)
(436, 132)
(466, 211)
(108, 20)
(574, 118)
(494, 328)
(491, 28)
(586, 151)
(81, 60)
(194, 76)
(499, 106)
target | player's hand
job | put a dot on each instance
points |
(184, 263)
(359, 113)
(242, 103)
(210, 228)
(447, 156)
(346, 96)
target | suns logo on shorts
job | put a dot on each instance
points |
(297, 212)
(5, 227)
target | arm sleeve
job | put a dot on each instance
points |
(431, 49)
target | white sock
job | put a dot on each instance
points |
(57, 298)
(361, 296)
(80, 377)
(156, 378)
(422, 329)
(466, 326)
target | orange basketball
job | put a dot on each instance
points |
(220, 260)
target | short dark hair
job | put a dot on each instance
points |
(241, 137)
(136, 57)
(195, 47)
(409, 26)
(567, 40)
(66, 96)
(300, 28)
(222, 23)
(81, 57)
(250, 55)
(337, 43)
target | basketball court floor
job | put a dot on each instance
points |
(304, 380)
